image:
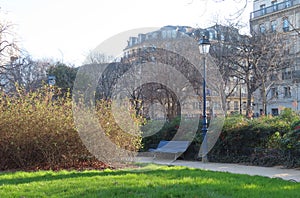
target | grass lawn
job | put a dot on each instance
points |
(147, 181)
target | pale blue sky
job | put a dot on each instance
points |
(68, 29)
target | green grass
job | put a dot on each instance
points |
(148, 181)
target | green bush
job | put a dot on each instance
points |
(156, 130)
(153, 134)
(290, 144)
(257, 141)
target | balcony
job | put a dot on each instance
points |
(274, 8)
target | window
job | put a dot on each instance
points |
(274, 5)
(263, 9)
(208, 92)
(154, 35)
(222, 37)
(228, 105)
(216, 105)
(274, 77)
(285, 25)
(174, 34)
(164, 34)
(197, 105)
(169, 33)
(287, 92)
(153, 59)
(236, 105)
(273, 26)
(262, 28)
(274, 92)
(286, 75)
(211, 35)
(288, 3)
(275, 112)
(245, 106)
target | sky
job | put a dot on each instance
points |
(66, 30)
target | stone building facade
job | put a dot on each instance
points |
(280, 16)
(217, 34)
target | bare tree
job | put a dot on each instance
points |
(9, 51)
(144, 94)
(254, 59)
(24, 72)
(241, 7)
(95, 57)
(221, 49)
(162, 92)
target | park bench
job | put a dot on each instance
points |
(175, 147)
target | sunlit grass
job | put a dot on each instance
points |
(147, 181)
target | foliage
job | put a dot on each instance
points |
(261, 141)
(26, 72)
(290, 143)
(148, 181)
(65, 76)
(265, 141)
(288, 115)
(37, 131)
(153, 135)
(156, 130)
(124, 134)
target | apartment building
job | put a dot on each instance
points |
(283, 17)
(217, 34)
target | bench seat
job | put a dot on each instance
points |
(175, 147)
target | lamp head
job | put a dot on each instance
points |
(204, 45)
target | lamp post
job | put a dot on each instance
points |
(204, 45)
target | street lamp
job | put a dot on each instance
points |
(204, 45)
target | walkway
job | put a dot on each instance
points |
(272, 172)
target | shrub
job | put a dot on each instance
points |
(265, 141)
(288, 115)
(37, 130)
(124, 133)
(153, 134)
(156, 130)
(254, 141)
(290, 143)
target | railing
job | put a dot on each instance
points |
(274, 8)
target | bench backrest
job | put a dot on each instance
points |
(162, 143)
(176, 145)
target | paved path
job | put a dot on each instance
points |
(272, 172)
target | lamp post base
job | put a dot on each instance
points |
(204, 159)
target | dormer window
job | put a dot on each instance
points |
(285, 25)
(274, 5)
(263, 9)
(288, 4)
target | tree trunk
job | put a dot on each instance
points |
(249, 112)
(264, 99)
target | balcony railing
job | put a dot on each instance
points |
(274, 8)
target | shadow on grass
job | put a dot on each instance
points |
(21, 178)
